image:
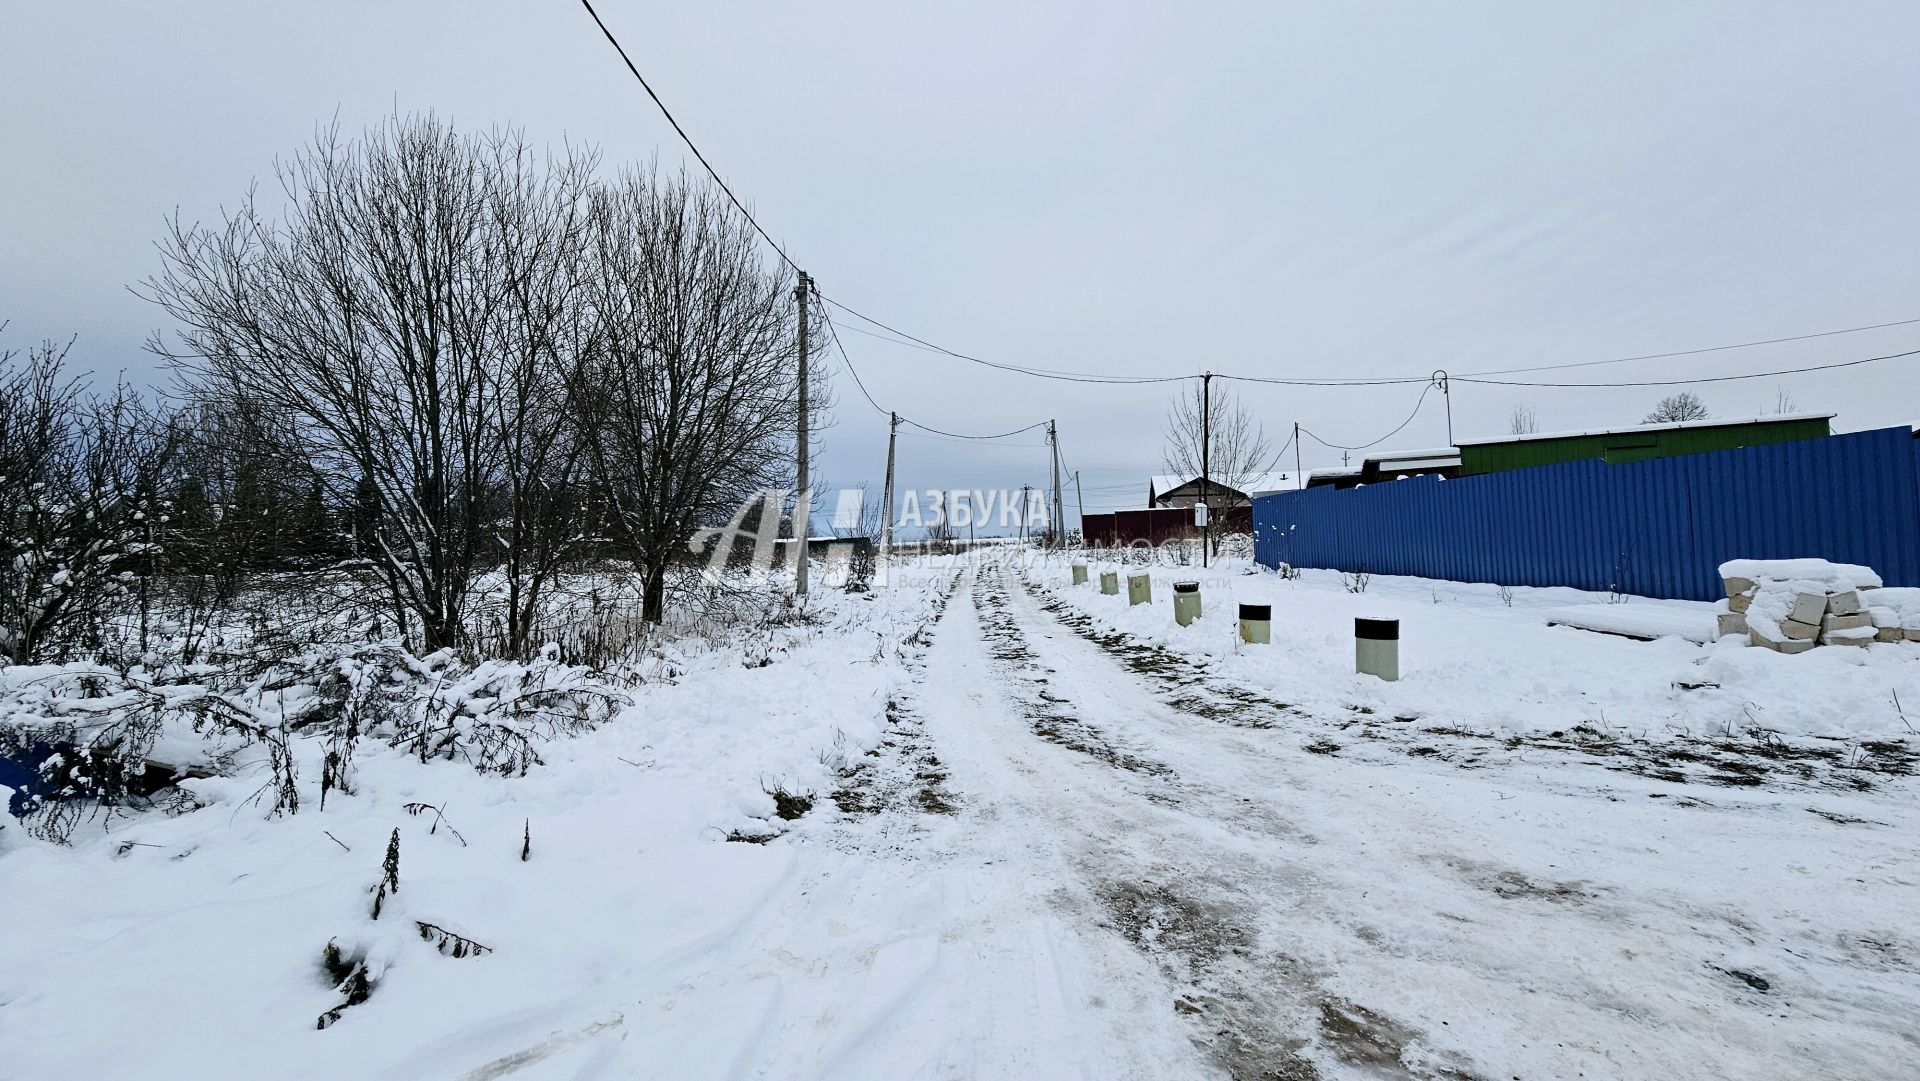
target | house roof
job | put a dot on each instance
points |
(1443, 454)
(1336, 472)
(1713, 422)
(1248, 483)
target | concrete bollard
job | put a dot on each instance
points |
(1256, 624)
(1079, 574)
(1110, 583)
(1139, 589)
(1376, 648)
(1186, 602)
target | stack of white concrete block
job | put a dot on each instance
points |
(1895, 611)
(1792, 605)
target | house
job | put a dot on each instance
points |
(1391, 465)
(1223, 489)
(1637, 443)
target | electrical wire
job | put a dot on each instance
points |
(1364, 446)
(1038, 373)
(1090, 377)
(1698, 379)
(685, 138)
(834, 336)
(957, 435)
(1397, 380)
(1696, 352)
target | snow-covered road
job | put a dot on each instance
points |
(1051, 836)
(1386, 915)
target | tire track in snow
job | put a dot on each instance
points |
(1754, 759)
(1053, 718)
(1181, 879)
(902, 777)
(1633, 958)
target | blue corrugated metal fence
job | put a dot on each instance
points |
(1659, 528)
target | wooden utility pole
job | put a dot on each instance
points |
(1059, 512)
(803, 501)
(1025, 502)
(1080, 505)
(1299, 478)
(886, 510)
(1206, 445)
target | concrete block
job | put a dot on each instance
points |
(1805, 632)
(1808, 608)
(1789, 645)
(1846, 622)
(1889, 634)
(1738, 586)
(1732, 623)
(1843, 640)
(1740, 603)
(1912, 633)
(1844, 603)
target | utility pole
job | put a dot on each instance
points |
(1206, 446)
(1440, 380)
(1059, 513)
(1080, 505)
(1299, 478)
(804, 500)
(1025, 504)
(886, 513)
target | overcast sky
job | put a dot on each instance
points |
(1276, 189)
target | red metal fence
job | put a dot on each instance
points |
(1122, 528)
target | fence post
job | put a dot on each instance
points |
(1376, 648)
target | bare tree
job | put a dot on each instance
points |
(1683, 406)
(1239, 447)
(1522, 420)
(690, 401)
(80, 478)
(408, 327)
(1783, 402)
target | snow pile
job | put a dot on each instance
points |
(1895, 612)
(1792, 605)
(1844, 575)
(601, 908)
(1478, 655)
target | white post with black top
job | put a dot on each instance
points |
(1186, 602)
(1376, 648)
(1256, 624)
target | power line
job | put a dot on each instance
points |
(1364, 446)
(1699, 379)
(1088, 377)
(834, 336)
(1383, 381)
(1038, 373)
(685, 138)
(956, 435)
(954, 439)
(1696, 352)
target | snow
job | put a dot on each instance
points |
(1710, 422)
(1893, 606)
(1464, 653)
(1826, 576)
(1634, 621)
(1101, 845)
